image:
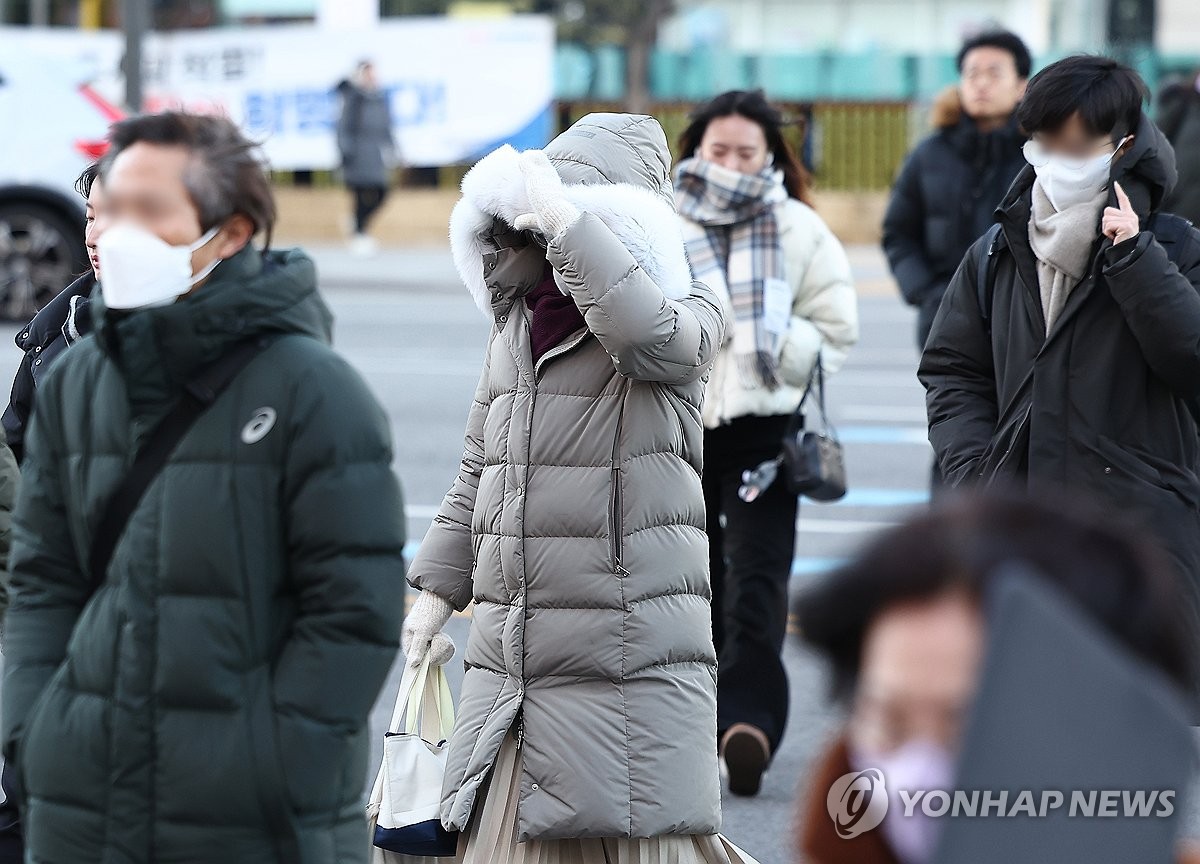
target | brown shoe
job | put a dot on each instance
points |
(746, 751)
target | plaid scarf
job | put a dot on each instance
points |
(732, 239)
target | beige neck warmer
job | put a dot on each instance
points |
(1062, 243)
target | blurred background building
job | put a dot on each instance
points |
(859, 73)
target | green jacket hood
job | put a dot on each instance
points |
(159, 349)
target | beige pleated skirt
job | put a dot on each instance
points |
(492, 836)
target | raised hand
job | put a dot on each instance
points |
(1121, 222)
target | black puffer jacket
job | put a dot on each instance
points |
(1179, 117)
(1101, 406)
(943, 200)
(60, 323)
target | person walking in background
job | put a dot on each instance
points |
(1179, 119)
(190, 665)
(1065, 356)
(947, 192)
(367, 148)
(60, 324)
(587, 724)
(785, 283)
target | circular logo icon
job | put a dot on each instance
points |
(258, 427)
(857, 802)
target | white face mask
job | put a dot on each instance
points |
(1068, 181)
(143, 270)
(917, 765)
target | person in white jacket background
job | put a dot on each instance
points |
(752, 237)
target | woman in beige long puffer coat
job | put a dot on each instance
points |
(587, 719)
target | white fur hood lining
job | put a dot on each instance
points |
(641, 220)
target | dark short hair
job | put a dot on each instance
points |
(753, 105)
(83, 183)
(1107, 95)
(1005, 41)
(1121, 581)
(226, 175)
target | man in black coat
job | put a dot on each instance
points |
(952, 182)
(1101, 402)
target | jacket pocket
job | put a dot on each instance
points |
(1006, 458)
(1136, 466)
(616, 520)
(269, 773)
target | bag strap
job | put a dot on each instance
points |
(985, 275)
(197, 396)
(815, 379)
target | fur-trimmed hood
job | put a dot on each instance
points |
(614, 166)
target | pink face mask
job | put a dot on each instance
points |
(919, 765)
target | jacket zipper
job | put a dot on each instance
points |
(616, 537)
(559, 350)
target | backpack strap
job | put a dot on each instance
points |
(153, 455)
(985, 274)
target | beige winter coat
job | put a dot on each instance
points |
(576, 523)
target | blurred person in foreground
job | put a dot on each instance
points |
(1179, 118)
(367, 148)
(947, 192)
(60, 324)
(587, 726)
(205, 696)
(786, 285)
(1065, 356)
(905, 624)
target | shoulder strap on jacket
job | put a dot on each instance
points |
(153, 455)
(985, 274)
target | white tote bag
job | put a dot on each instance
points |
(403, 810)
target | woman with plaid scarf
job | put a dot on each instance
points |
(785, 282)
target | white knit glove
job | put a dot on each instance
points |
(553, 213)
(422, 633)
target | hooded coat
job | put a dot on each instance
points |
(576, 523)
(207, 701)
(943, 202)
(1100, 405)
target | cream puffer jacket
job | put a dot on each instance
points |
(824, 319)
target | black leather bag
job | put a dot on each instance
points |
(813, 462)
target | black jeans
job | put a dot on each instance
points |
(367, 200)
(11, 850)
(750, 556)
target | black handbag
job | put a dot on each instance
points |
(813, 462)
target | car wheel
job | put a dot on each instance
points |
(41, 252)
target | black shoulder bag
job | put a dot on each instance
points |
(153, 455)
(813, 461)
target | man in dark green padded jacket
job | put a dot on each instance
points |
(205, 698)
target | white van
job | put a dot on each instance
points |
(52, 125)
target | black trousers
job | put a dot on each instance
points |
(11, 849)
(751, 547)
(367, 200)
